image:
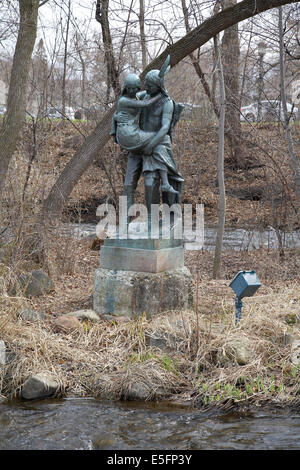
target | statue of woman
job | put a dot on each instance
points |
(125, 123)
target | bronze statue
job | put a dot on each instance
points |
(143, 125)
(125, 123)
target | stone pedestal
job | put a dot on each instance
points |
(142, 275)
(132, 293)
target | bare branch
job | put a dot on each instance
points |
(43, 2)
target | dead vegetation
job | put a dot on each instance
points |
(204, 360)
(177, 354)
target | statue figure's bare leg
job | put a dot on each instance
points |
(151, 181)
(133, 173)
(165, 185)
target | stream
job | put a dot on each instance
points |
(91, 424)
(234, 239)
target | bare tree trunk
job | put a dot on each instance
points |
(294, 160)
(222, 197)
(120, 58)
(230, 60)
(83, 81)
(142, 33)
(40, 68)
(63, 89)
(245, 65)
(112, 70)
(83, 69)
(17, 93)
(179, 50)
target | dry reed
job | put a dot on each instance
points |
(107, 359)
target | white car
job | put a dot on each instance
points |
(2, 109)
(271, 110)
(70, 112)
(57, 113)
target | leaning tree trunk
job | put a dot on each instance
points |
(17, 93)
(230, 60)
(91, 148)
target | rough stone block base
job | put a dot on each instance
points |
(134, 293)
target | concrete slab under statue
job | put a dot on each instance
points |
(142, 253)
(140, 273)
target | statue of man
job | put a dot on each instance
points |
(156, 156)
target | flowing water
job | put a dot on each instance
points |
(90, 424)
(234, 239)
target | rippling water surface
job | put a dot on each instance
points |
(83, 423)
(233, 239)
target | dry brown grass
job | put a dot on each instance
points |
(194, 359)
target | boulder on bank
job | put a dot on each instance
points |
(163, 340)
(295, 352)
(84, 315)
(31, 315)
(139, 391)
(65, 324)
(33, 284)
(142, 391)
(41, 385)
(237, 351)
(242, 353)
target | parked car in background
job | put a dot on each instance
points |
(2, 109)
(70, 112)
(54, 112)
(271, 110)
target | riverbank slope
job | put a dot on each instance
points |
(200, 357)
